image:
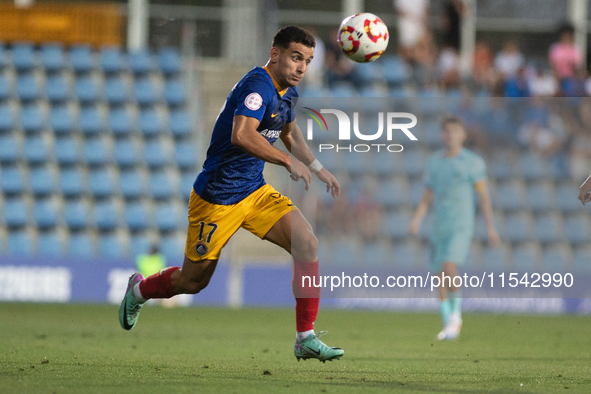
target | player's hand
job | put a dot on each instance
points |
(332, 185)
(414, 227)
(493, 237)
(584, 191)
(299, 170)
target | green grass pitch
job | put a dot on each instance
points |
(46, 348)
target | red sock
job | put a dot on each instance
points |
(158, 285)
(307, 295)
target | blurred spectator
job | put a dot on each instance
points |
(150, 263)
(509, 60)
(315, 74)
(451, 23)
(518, 85)
(412, 27)
(368, 216)
(580, 147)
(337, 215)
(448, 67)
(483, 73)
(542, 84)
(574, 86)
(565, 57)
(338, 67)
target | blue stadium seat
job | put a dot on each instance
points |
(169, 61)
(95, 152)
(27, 88)
(527, 258)
(76, 214)
(519, 227)
(174, 93)
(373, 72)
(81, 58)
(149, 122)
(4, 88)
(185, 155)
(173, 248)
(45, 213)
(541, 197)
(395, 70)
(180, 124)
(344, 89)
(550, 228)
(49, 244)
(56, 89)
(578, 229)
(71, 182)
(81, 246)
(140, 62)
(35, 150)
(20, 244)
(11, 180)
(115, 91)
(110, 246)
(393, 193)
(377, 254)
(23, 56)
(145, 93)
(187, 181)
(417, 188)
(125, 153)
(480, 231)
(41, 181)
(101, 183)
(414, 163)
(15, 212)
(556, 258)
(60, 119)
(131, 184)
(136, 216)
(168, 217)
(565, 200)
(395, 224)
(66, 151)
(533, 167)
(52, 57)
(346, 252)
(155, 154)
(9, 150)
(160, 187)
(111, 59)
(6, 119)
(86, 89)
(105, 216)
(138, 244)
(582, 259)
(91, 121)
(495, 259)
(511, 196)
(358, 164)
(31, 119)
(384, 165)
(120, 122)
(406, 254)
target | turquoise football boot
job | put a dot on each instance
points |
(129, 309)
(312, 347)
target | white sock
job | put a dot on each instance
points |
(303, 334)
(137, 294)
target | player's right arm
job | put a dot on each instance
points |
(584, 191)
(417, 219)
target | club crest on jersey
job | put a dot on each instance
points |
(201, 249)
(270, 133)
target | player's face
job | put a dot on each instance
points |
(292, 63)
(453, 136)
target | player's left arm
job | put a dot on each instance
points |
(294, 141)
(487, 211)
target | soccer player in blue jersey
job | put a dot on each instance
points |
(230, 191)
(452, 175)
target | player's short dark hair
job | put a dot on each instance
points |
(288, 34)
(451, 119)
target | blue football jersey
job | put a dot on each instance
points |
(229, 174)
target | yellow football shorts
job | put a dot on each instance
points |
(211, 225)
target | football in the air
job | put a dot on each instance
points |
(363, 37)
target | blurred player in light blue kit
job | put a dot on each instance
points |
(452, 175)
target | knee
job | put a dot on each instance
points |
(305, 246)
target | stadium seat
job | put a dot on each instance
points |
(81, 58)
(11, 180)
(4, 87)
(385, 165)
(393, 193)
(101, 183)
(60, 119)
(6, 119)
(511, 196)
(35, 150)
(480, 230)
(23, 56)
(9, 151)
(45, 213)
(119, 122)
(52, 57)
(185, 155)
(15, 212)
(81, 246)
(149, 122)
(31, 118)
(76, 214)
(180, 124)
(541, 197)
(343, 89)
(66, 151)
(556, 258)
(582, 259)
(377, 254)
(95, 152)
(395, 70)
(168, 217)
(136, 216)
(527, 258)
(160, 187)
(578, 229)
(346, 252)
(41, 181)
(174, 93)
(49, 244)
(154, 154)
(125, 153)
(394, 225)
(565, 200)
(169, 61)
(115, 91)
(110, 246)
(86, 89)
(550, 228)
(71, 182)
(414, 163)
(358, 164)
(406, 254)
(173, 248)
(533, 167)
(140, 62)
(519, 227)
(145, 93)
(138, 244)
(426, 227)
(131, 184)
(91, 121)
(105, 216)
(20, 244)
(27, 87)
(56, 89)
(111, 59)
(187, 181)
(495, 259)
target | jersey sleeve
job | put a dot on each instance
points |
(252, 99)
(294, 101)
(478, 172)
